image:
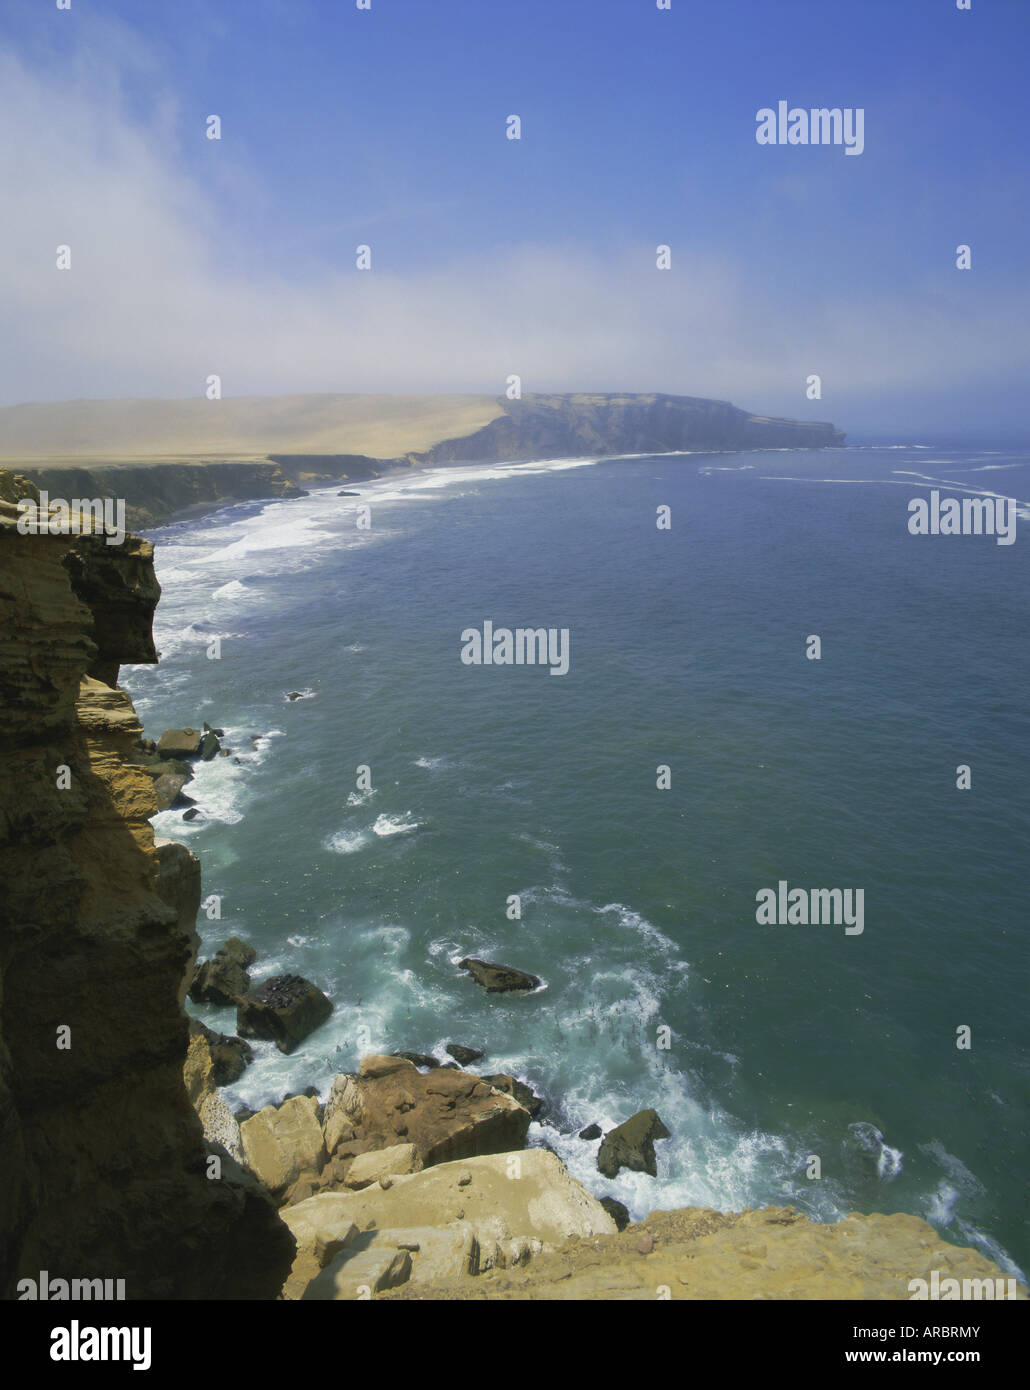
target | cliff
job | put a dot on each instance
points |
(537, 427)
(167, 458)
(155, 492)
(105, 1170)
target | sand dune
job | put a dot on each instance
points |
(245, 427)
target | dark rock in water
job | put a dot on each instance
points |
(231, 1056)
(245, 1113)
(294, 695)
(496, 978)
(240, 952)
(167, 789)
(463, 1055)
(179, 743)
(224, 752)
(617, 1211)
(518, 1090)
(631, 1145)
(209, 747)
(285, 1009)
(224, 980)
(450, 1066)
(591, 1132)
(167, 767)
(193, 814)
(419, 1059)
(348, 494)
(220, 733)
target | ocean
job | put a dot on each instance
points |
(763, 1047)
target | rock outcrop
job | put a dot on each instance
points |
(281, 1142)
(103, 1157)
(390, 1119)
(283, 1010)
(631, 1145)
(694, 1253)
(496, 978)
(445, 1114)
(224, 979)
(456, 1220)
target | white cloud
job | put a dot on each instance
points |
(153, 303)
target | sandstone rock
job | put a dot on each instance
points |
(591, 1132)
(513, 1205)
(495, 978)
(374, 1164)
(159, 767)
(285, 1009)
(446, 1253)
(230, 1056)
(281, 1142)
(631, 1145)
(376, 1065)
(168, 790)
(703, 1255)
(102, 1155)
(304, 1187)
(463, 1055)
(445, 1114)
(343, 1112)
(179, 743)
(224, 979)
(501, 1081)
(354, 1275)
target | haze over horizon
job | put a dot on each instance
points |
(536, 257)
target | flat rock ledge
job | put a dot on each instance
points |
(697, 1254)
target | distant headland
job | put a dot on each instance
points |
(169, 457)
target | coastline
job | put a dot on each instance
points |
(341, 1230)
(171, 461)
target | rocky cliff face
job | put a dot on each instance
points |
(104, 1166)
(153, 492)
(539, 427)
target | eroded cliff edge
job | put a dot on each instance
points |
(105, 1169)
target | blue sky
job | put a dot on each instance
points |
(536, 256)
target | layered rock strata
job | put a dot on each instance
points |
(104, 1164)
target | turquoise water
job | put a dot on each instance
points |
(639, 904)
